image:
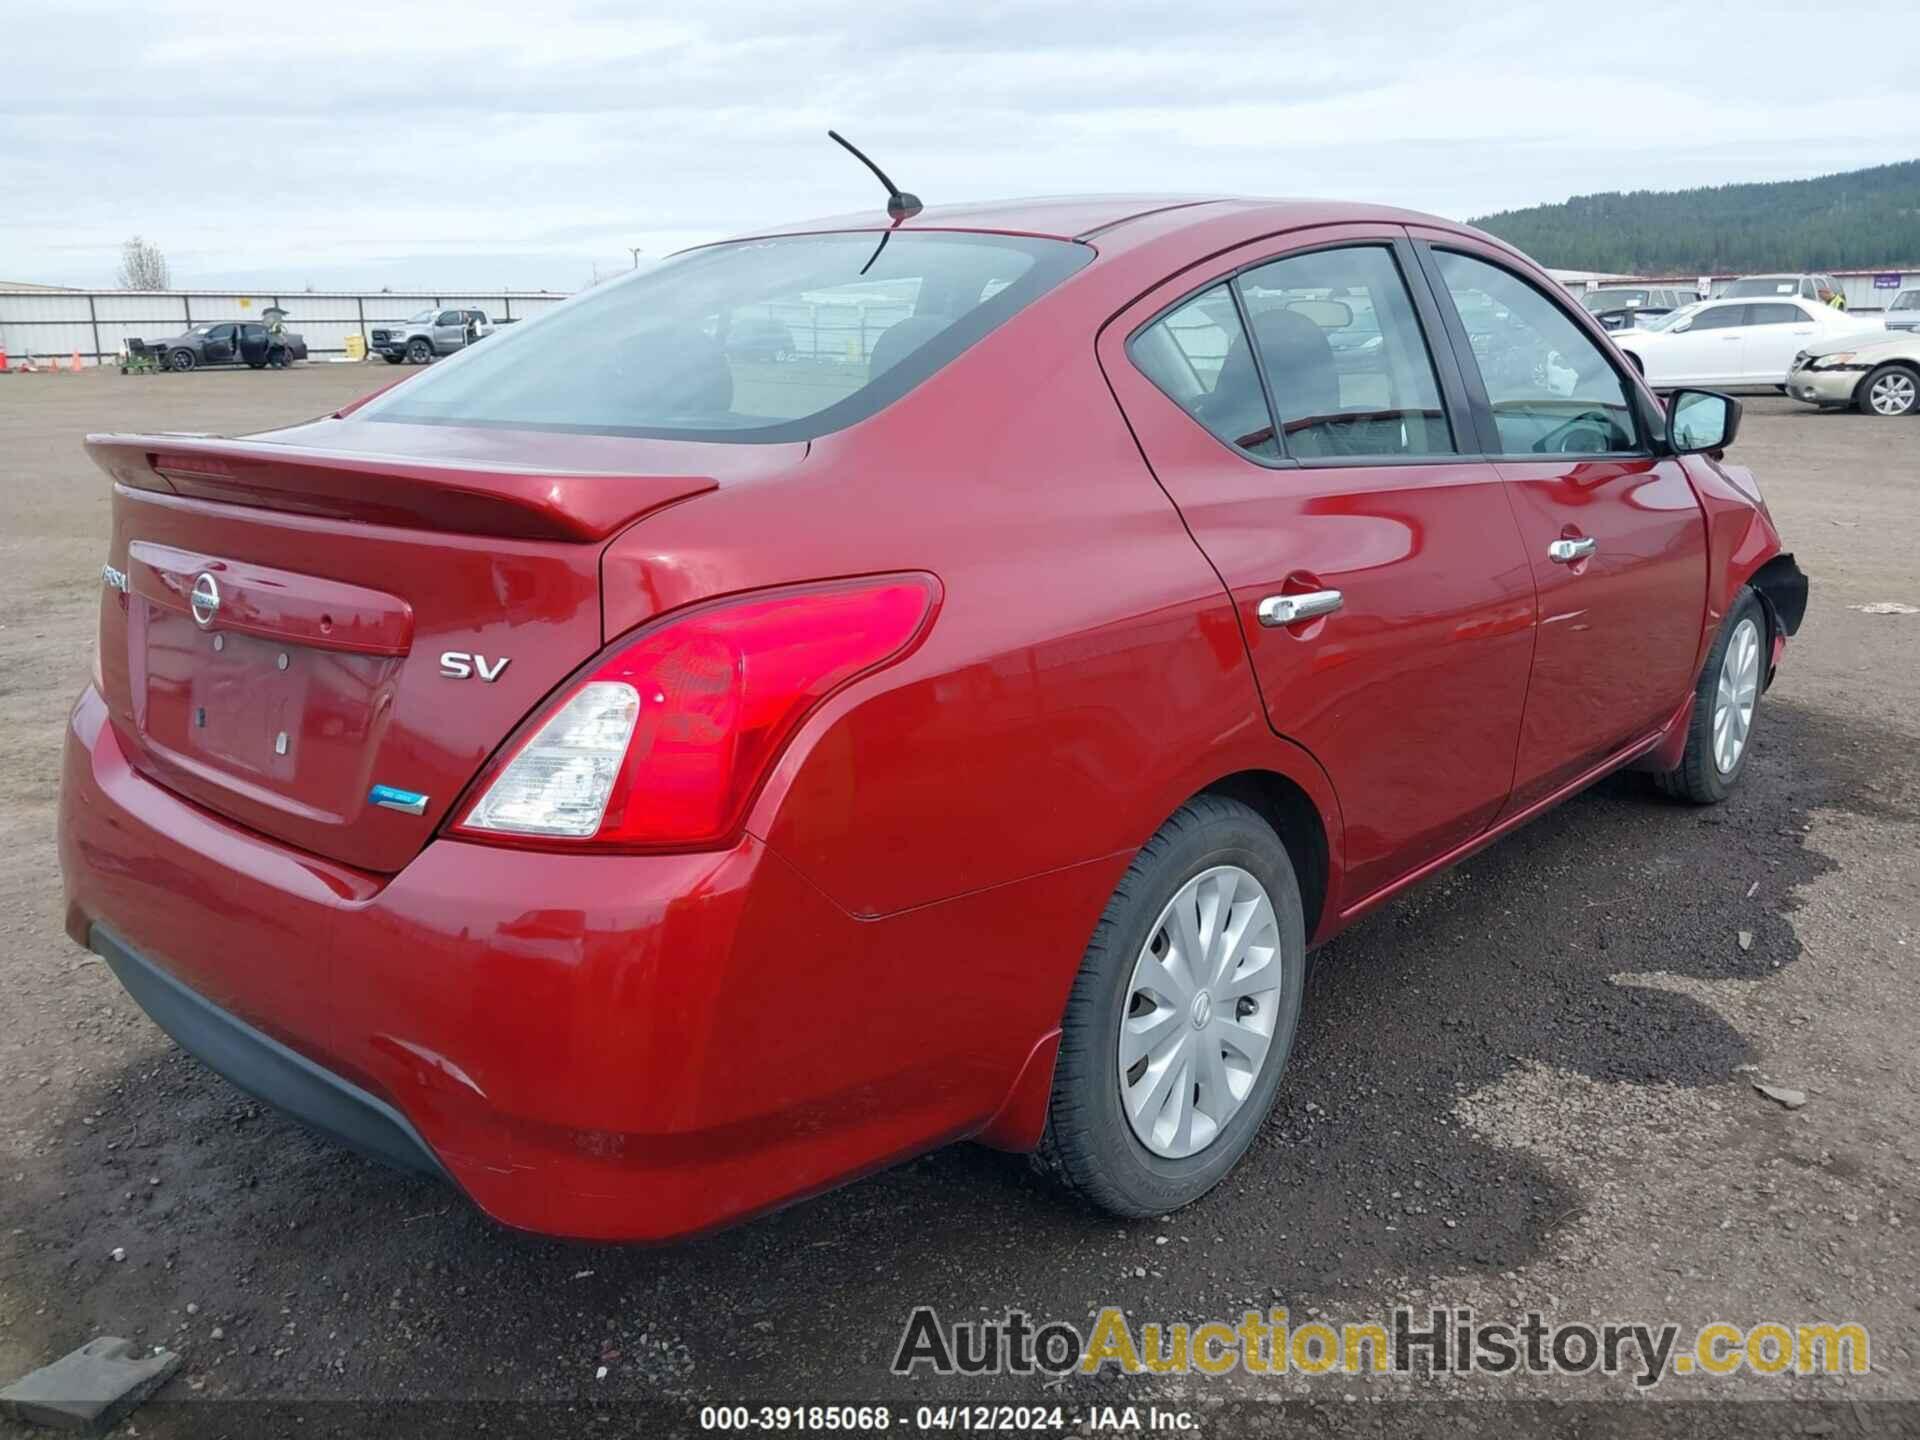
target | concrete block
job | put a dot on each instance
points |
(90, 1390)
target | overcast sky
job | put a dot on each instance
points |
(481, 143)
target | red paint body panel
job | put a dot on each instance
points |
(643, 1046)
(1412, 698)
(526, 503)
(351, 720)
(1615, 647)
(565, 1030)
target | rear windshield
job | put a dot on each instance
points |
(759, 340)
(1598, 300)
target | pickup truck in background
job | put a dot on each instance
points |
(423, 338)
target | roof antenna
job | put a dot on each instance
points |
(900, 205)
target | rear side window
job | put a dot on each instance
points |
(1775, 315)
(760, 340)
(1346, 362)
(1762, 285)
(1551, 388)
(1720, 317)
(1198, 355)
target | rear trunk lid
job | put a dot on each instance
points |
(323, 636)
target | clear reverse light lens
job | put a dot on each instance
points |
(559, 782)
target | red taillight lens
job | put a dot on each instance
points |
(663, 744)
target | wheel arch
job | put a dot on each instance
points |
(1782, 588)
(1296, 819)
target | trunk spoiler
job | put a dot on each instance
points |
(511, 502)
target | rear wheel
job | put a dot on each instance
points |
(1890, 391)
(419, 352)
(1726, 702)
(1182, 1016)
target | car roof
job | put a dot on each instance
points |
(1081, 217)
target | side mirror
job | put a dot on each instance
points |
(1701, 420)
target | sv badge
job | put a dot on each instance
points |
(460, 665)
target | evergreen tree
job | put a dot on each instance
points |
(1861, 219)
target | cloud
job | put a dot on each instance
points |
(361, 139)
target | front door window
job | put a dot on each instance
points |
(1551, 389)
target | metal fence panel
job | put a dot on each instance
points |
(98, 323)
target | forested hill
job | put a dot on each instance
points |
(1858, 219)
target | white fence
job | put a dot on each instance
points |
(98, 323)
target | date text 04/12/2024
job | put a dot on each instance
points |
(959, 1419)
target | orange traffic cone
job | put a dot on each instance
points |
(76, 362)
(3, 359)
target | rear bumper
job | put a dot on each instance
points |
(597, 1046)
(263, 1067)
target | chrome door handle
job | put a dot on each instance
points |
(1565, 552)
(1292, 609)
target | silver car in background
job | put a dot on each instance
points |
(1879, 377)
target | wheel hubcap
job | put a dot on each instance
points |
(1200, 1012)
(1892, 394)
(1734, 696)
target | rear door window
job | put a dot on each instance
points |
(1775, 315)
(870, 315)
(1551, 389)
(1720, 317)
(1197, 354)
(1345, 359)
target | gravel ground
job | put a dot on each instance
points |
(1528, 1085)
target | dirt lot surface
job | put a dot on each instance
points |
(1529, 1085)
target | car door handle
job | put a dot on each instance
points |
(1565, 552)
(1292, 609)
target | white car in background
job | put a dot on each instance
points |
(1736, 342)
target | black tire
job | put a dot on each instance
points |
(1699, 778)
(256, 364)
(1089, 1145)
(391, 358)
(180, 361)
(1901, 384)
(419, 352)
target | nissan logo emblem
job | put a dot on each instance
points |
(205, 599)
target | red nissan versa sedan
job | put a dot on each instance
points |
(646, 780)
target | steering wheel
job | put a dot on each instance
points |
(1588, 434)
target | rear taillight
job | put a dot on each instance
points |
(664, 742)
